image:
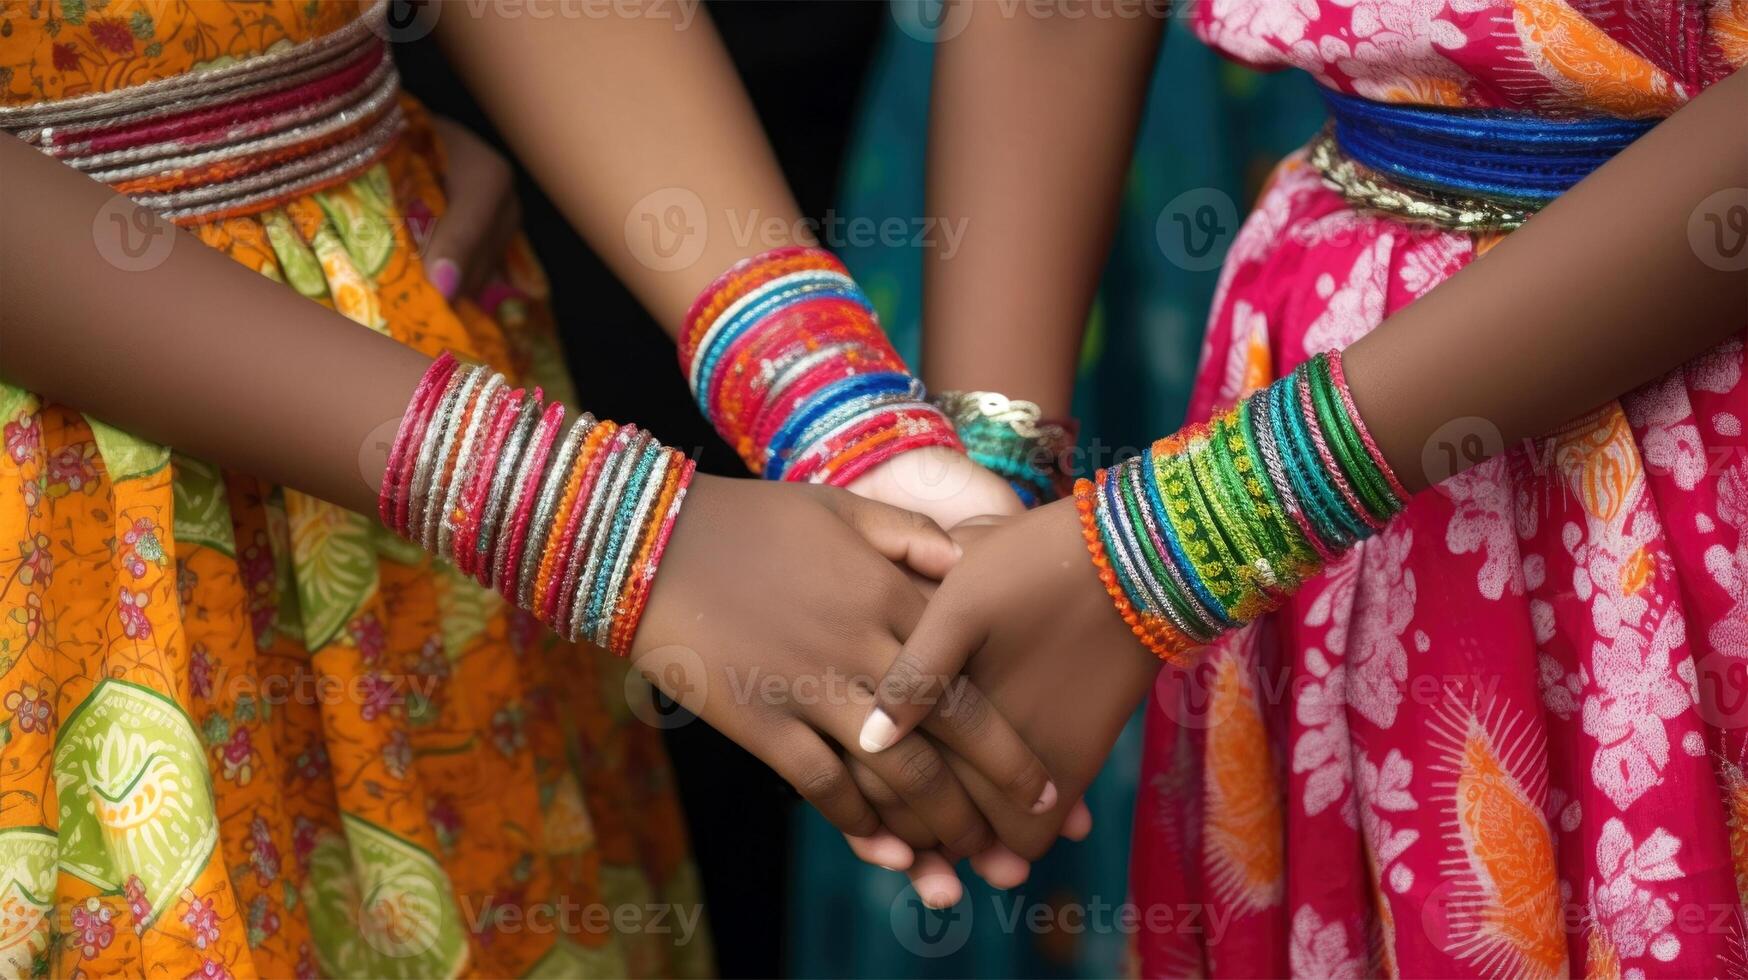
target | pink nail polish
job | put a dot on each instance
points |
(446, 276)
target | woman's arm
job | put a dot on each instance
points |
(1599, 293)
(1031, 126)
(637, 126)
(194, 351)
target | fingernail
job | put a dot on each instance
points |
(936, 898)
(446, 276)
(958, 550)
(1046, 799)
(878, 732)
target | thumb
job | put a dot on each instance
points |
(900, 535)
(919, 677)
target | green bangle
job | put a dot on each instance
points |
(1195, 529)
(1161, 575)
(1363, 472)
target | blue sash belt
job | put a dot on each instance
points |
(1517, 158)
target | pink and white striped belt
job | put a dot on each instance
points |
(208, 145)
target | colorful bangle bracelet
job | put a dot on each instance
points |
(570, 529)
(1012, 439)
(786, 357)
(1218, 524)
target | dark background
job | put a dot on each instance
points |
(803, 63)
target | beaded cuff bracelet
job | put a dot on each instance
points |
(1013, 440)
(570, 529)
(1217, 525)
(788, 361)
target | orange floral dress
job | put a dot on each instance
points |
(244, 732)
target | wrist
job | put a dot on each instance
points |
(570, 529)
(787, 359)
(1012, 439)
(1216, 525)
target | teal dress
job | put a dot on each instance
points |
(1212, 131)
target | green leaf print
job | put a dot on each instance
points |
(464, 608)
(203, 508)
(380, 906)
(334, 562)
(367, 232)
(126, 457)
(14, 401)
(299, 264)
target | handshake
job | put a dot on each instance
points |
(937, 694)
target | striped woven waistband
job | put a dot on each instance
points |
(1466, 169)
(203, 146)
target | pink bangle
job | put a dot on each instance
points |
(505, 580)
(1335, 372)
(392, 498)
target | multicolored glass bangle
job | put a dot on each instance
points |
(787, 359)
(1012, 439)
(1218, 524)
(570, 530)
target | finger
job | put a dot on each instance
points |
(901, 535)
(1078, 825)
(882, 849)
(936, 650)
(1001, 867)
(935, 883)
(821, 779)
(927, 787)
(894, 814)
(966, 722)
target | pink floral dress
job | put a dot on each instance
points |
(1508, 735)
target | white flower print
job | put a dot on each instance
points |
(1730, 569)
(1334, 602)
(1320, 949)
(1323, 749)
(1718, 370)
(1252, 29)
(1635, 918)
(1482, 519)
(1636, 691)
(1385, 789)
(1356, 306)
(1431, 260)
(1378, 660)
(1671, 442)
(1560, 688)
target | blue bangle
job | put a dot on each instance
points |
(822, 402)
(754, 313)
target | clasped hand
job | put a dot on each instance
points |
(796, 620)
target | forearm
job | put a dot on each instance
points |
(642, 134)
(288, 390)
(1598, 294)
(1031, 162)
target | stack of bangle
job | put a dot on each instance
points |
(787, 359)
(1218, 524)
(570, 529)
(1012, 439)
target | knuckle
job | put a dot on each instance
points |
(823, 783)
(905, 682)
(972, 840)
(967, 715)
(923, 772)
